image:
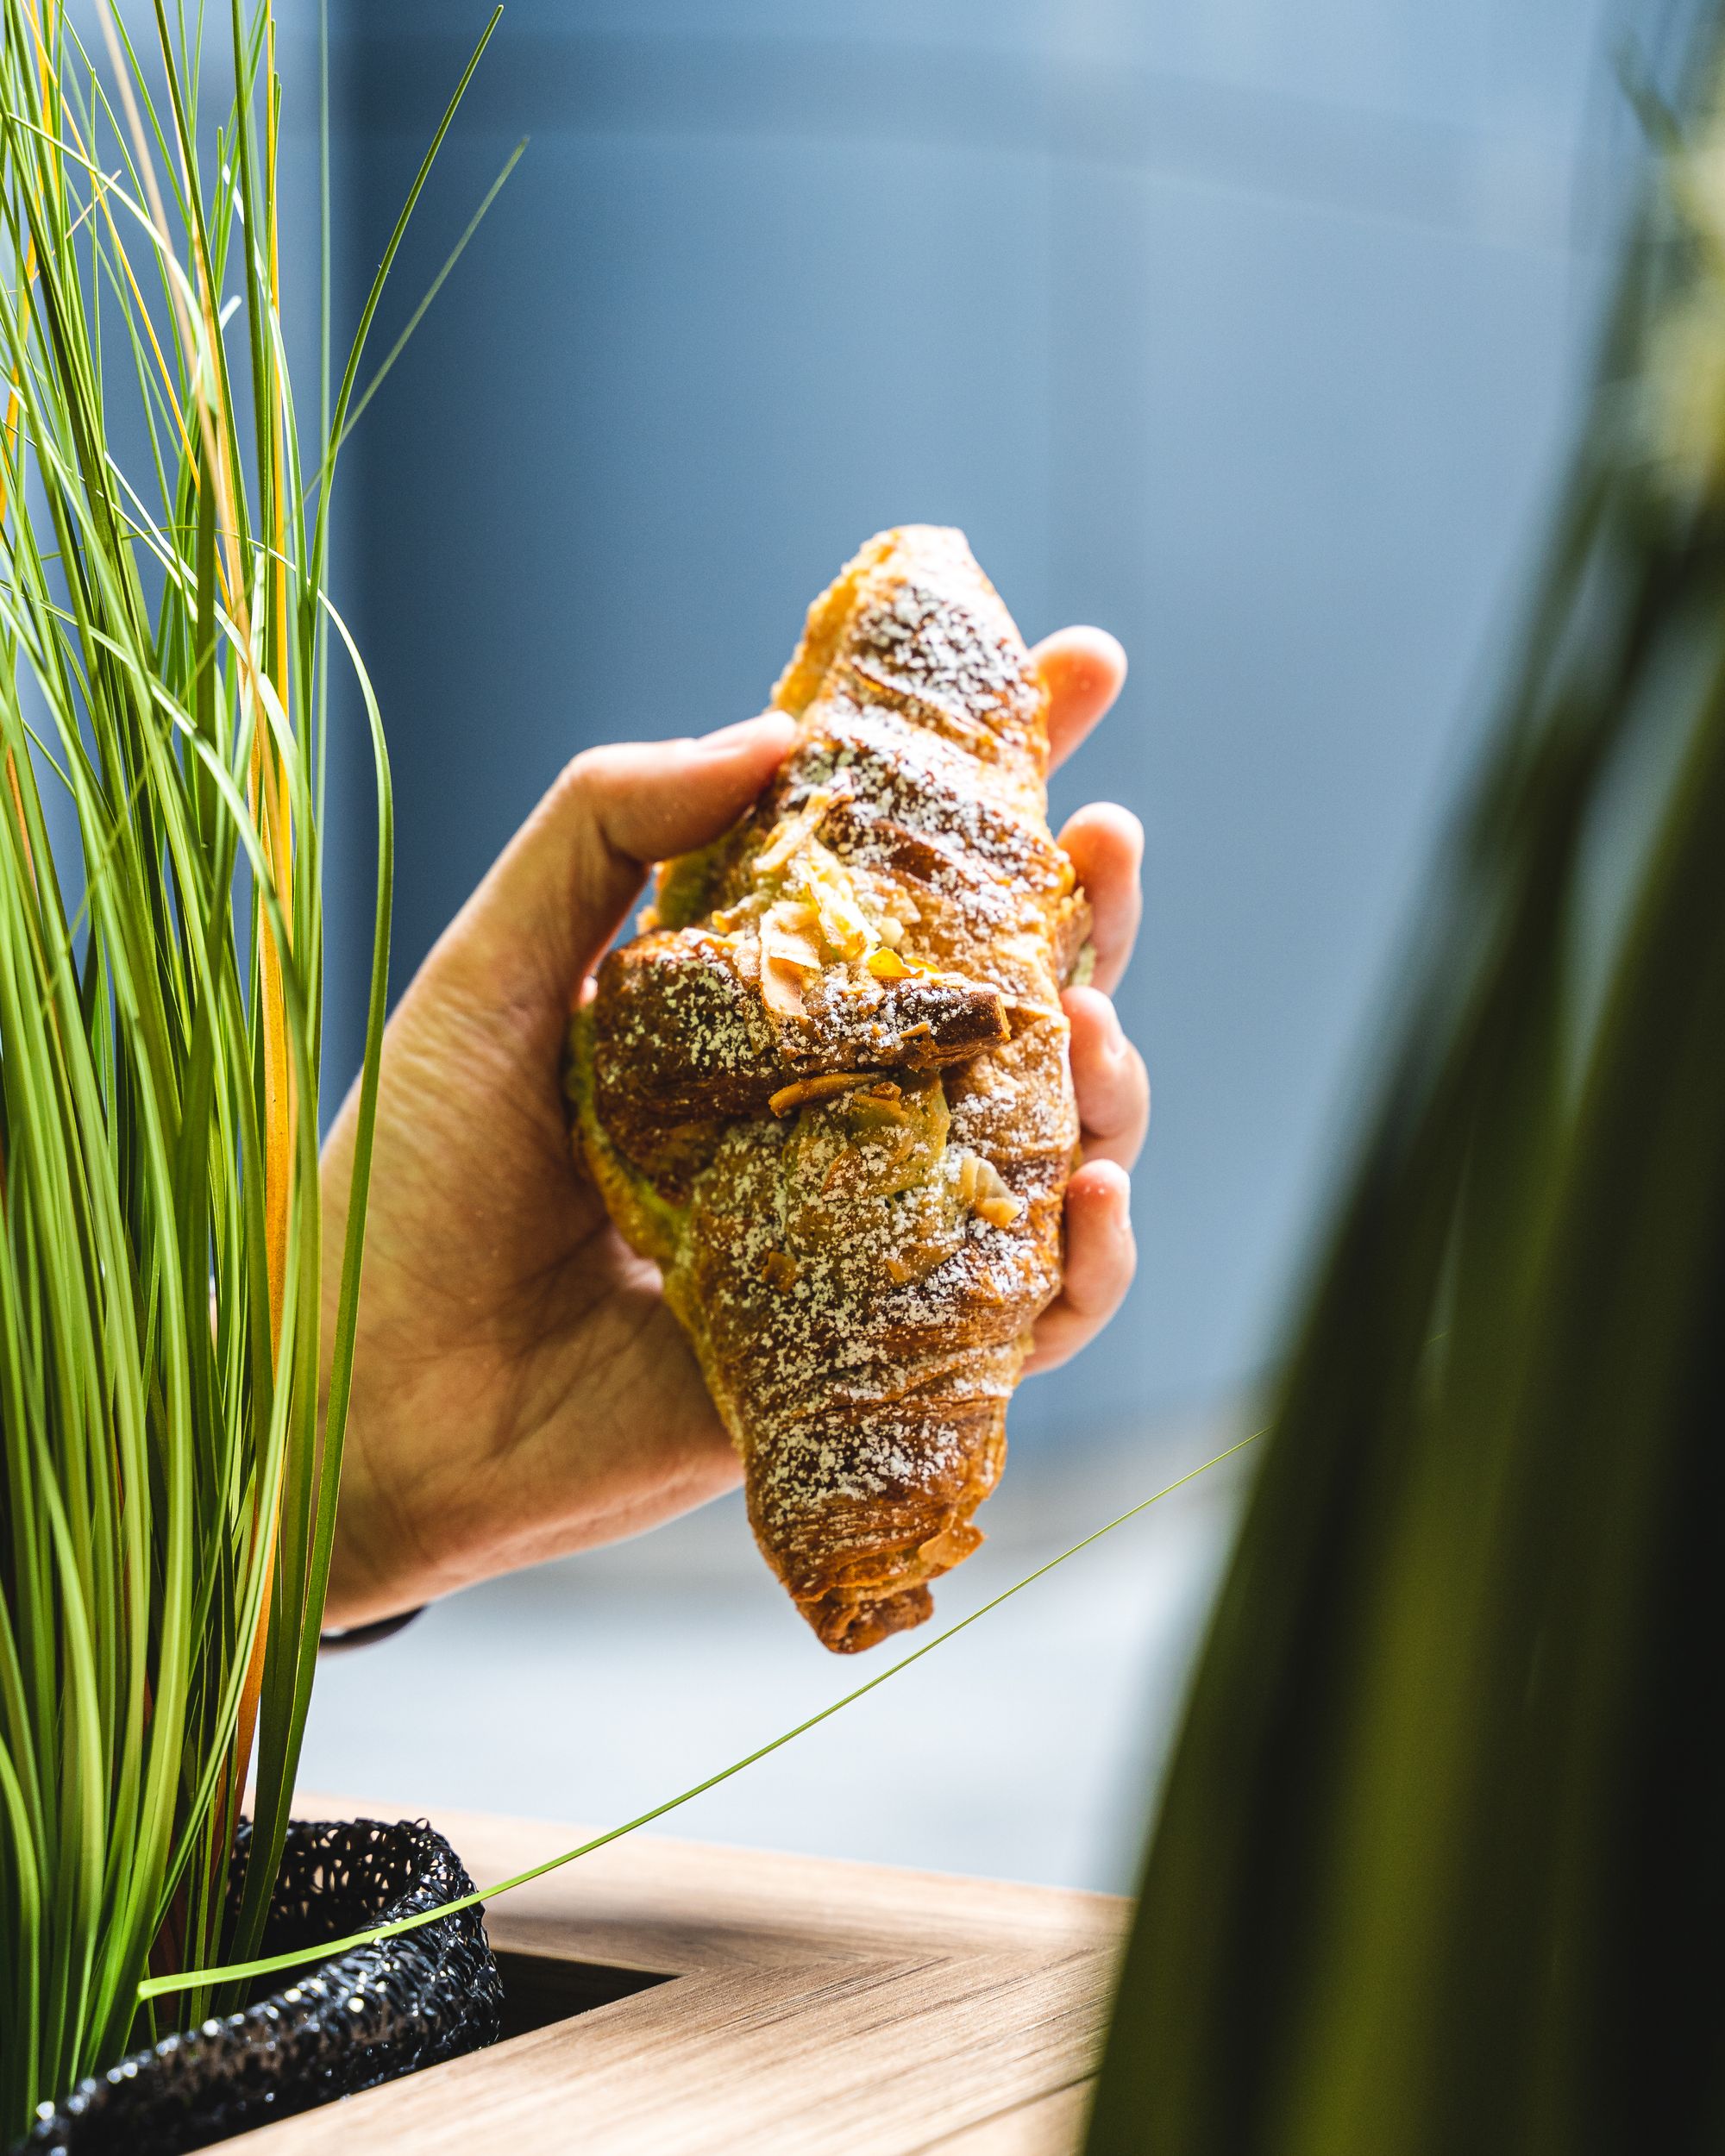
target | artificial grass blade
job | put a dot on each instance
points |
(157, 1987)
(168, 1488)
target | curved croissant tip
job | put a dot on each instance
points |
(849, 1628)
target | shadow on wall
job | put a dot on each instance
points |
(1253, 348)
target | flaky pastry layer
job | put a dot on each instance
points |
(826, 1089)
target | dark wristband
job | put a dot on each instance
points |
(367, 1635)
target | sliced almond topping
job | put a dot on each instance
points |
(789, 1097)
(781, 989)
(1025, 1011)
(746, 910)
(832, 897)
(981, 1188)
(897, 965)
(790, 833)
(785, 934)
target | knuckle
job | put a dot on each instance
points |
(592, 771)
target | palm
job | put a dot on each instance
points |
(512, 1349)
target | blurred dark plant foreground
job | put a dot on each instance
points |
(1438, 1866)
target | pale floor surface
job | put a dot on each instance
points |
(1027, 1748)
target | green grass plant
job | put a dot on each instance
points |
(159, 1987)
(172, 1452)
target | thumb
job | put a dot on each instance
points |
(563, 886)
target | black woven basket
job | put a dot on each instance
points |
(378, 2013)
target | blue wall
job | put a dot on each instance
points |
(1249, 331)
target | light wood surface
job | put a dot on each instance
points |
(1047, 2125)
(817, 2007)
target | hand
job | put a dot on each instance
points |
(520, 1390)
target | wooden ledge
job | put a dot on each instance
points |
(835, 2009)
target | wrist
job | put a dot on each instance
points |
(367, 1635)
(378, 1571)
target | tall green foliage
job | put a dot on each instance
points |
(1438, 1866)
(166, 1501)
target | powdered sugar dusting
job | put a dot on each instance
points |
(859, 1274)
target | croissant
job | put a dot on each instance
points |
(826, 1087)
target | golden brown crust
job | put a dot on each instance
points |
(827, 1088)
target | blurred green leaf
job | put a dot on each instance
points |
(1438, 1866)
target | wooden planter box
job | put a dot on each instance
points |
(671, 1999)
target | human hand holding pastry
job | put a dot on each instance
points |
(826, 1089)
(521, 1389)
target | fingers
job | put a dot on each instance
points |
(1109, 1080)
(1083, 671)
(1100, 1257)
(617, 810)
(1105, 844)
(567, 879)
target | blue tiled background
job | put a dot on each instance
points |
(1249, 331)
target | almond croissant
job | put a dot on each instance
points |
(826, 1087)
